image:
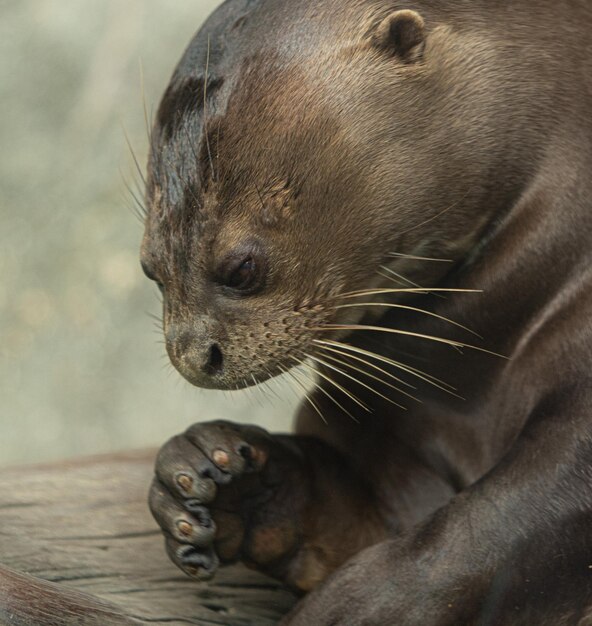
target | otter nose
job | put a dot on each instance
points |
(214, 361)
(203, 356)
(196, 358)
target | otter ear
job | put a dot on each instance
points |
(402, 33)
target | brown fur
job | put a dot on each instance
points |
(324, 141)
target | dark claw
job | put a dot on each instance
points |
(209, 470)
(200, 564)
(245, 451)
(199, 512)
(253, 460)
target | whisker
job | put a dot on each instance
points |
(402, 278)
(373, 366)
(205, 109)
(218, 150)
(419, 258)
(341, 388)
(138, 207)
(136, 194)
(158, 295)
(248, 391)
(428, 378)
(133, 209)
(258, 388)
(306, 394)
(435, 217)
(333, 348)
(288, 379)
(323, 390)
(156, 318)
(146, 119)
(359, 382)
(392, 275)
(420, 290)
(395, 280)
(196, 158)
(139, 190)
(369, 375)
(268, 382)
(135, 159)
(407, 333)
(408, 308)
(255, 391)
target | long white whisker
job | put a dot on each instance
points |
(408, 308)
(323, 390)
(368, 374)
(341, 388)
(392, 275)
(323, 362)
(145, 108)
(326, 344)
(289, 381)
(419, 290)
(375, 367)
(205, 108)
(428, 378)
(135, 159)
(306, 394)
(419, 258)
(268, 382)
(407, 333)
(258, 388)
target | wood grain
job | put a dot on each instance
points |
(78, 546)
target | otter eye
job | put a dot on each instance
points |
(243, 276)
(243, 272)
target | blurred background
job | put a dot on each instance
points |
(81, 367)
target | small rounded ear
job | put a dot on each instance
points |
(403, 34)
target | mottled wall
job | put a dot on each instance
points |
(81, 369)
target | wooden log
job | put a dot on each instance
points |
(78, 546)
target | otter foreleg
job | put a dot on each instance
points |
(287, 505)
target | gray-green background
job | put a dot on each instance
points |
(81, 369)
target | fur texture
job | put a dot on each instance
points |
(292, 139)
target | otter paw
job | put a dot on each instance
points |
(215, 496)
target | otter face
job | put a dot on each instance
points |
(247, 271)
(276, 189)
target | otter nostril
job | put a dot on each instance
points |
(215, 360)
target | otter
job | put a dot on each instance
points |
(392, 203)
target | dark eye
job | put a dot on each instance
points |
(243, 276)
(243, 272)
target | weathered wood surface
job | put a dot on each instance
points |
(84, 527)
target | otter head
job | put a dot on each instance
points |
(294, 151)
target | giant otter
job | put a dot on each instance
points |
(399, 197)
